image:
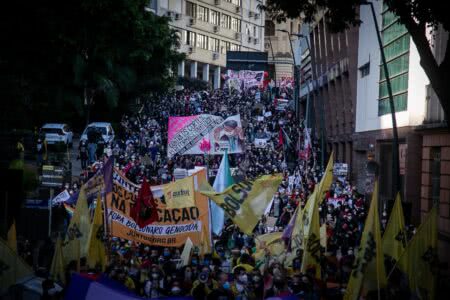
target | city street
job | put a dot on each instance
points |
(234, 149)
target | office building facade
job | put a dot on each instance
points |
(208, 29)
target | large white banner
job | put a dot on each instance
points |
(244, 79)
(205, 134)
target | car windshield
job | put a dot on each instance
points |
(102, 130)
(52, 130)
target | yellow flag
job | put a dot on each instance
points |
(12, 267)
(267, 239)
(246, 201)
(12, 237)
(298, 232)
(394, 237)
(368, 272)
(76, 241)
(420, 260)
(311, 236)
(327, 179)
(96, 254)
(180, 193)
(323, 236)
(57, 268)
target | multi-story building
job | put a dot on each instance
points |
(331, 99)
(277, 45)
(435, 166)
(374, 132)
(210, 28)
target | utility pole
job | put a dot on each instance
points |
(395, 151)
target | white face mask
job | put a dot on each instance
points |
(175, 290)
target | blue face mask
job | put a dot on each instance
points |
(226, 285)
(206, 262)
(194, 262)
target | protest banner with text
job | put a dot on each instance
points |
(173, 226)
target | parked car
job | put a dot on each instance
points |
(102, 130)
(56, 133)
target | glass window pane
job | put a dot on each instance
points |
(393, 32)
(400, 104)
(388, 18)
(396, 66)
(398, 84)
(396, 48)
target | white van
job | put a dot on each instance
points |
(104, 128)
(56, 133)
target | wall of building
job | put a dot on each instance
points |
(281, 59)
(206, 60)
(367, 117)
(334, 57)
(435, 152)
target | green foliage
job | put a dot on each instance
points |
(61, 53)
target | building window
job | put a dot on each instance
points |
(214, 17)
(235, 2)
(236, 24)
(190, 38)
(396, 67)
(396, 48)
(365, 69)
(191, 9)
(202, 13)
(235, 47)
(226, 21)
(400, 104)
(225, 46)
(202, 41)
(255, 33)
(435, 170)
(270, 28)
(214, 44)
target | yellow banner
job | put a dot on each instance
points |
(245, 202)
(180, 193)
(394, 237)
(311, 236)
(326, 180)
(420, 260)
(96, 254)
(77, 234)
(368, 272)
(174, 225)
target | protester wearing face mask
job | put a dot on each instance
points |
(239, 287)
(223, 291)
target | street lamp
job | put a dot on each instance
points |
(296, 81)
(314, 80)
(395, 154)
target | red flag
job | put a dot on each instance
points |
(144, 212)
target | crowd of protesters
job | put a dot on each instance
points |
(230, 271)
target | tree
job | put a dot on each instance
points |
(418, 16)
(61, 56)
